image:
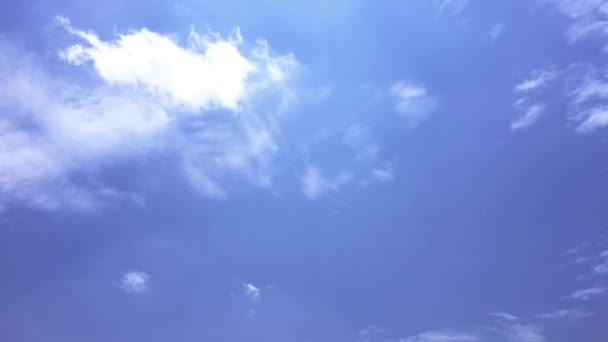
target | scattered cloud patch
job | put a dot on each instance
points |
(523, 333)
(588, 17)
(537, 80)
(384, 174)
(573, 314)
(494, 33)
(212, 104)
(413, 102)
(135, 282)
(443, 336)
(590, 293)
(505, 316)
(252, 292)
(450, 7)
(314, 184)
(530, 117)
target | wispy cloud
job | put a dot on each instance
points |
(135, 282)
(568, 314)
(443, 336)
(152, 95)
(413, 102)
(494, 33)
(384, 174)
(252, 292)
(530, 117)
(588, 17)
(530, 87)
(315, 184)
(505, 315)
(590, 293)
(538, 79)
(452, 7)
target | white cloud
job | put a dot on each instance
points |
(524, 333)
(530, 117)
(384, 174)
(314, 184)
(588, 17)
(135, 282)
(538, 79)
(573, 314)
(443, 336)
(202, 103)
(494, 33)
(590, 293)
(208, 73)
(358, 137)
(413, 102)
(505, 315)
(252, 292)
(450, 6)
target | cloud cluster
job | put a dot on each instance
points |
(211, 103)
(531, 111)
(589, 17)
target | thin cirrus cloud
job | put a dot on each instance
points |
(572, 314)
(531, 111)
(588, 17)
(413, 102)
(590, 293)
(201, 102)
(315, 184)
(529, 117)
(496, 31)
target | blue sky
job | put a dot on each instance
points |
(307, 171)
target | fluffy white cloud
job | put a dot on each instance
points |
(135, 282)
(413, 102)
(201, 102)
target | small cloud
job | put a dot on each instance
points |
(537, 80)
(506, 316)
(494, 33)
(359, 138)
(443, 336)
(413, 102)
(593, 119)
(384, 174)
(135, 282)
(574, 314)
(590, 293)
(529, 118)
(252, 292)
(452, 7)
(523, 333)
(314, 184)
